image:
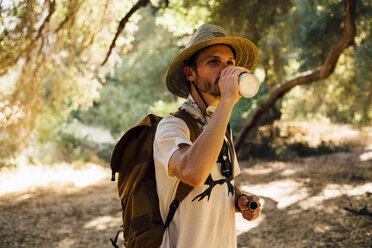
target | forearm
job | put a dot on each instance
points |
(194, 163)
(237, 191)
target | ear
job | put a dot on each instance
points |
(189, 73)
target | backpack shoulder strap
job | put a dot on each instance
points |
(191, 123)
(183, 189)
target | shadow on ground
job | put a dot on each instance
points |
(307, 202)
(68, 217)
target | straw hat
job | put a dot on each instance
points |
(207, 35)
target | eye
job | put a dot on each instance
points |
(231, 62)
(214, 61)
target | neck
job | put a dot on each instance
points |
(199, 96)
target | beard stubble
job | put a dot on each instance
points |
(207, 86)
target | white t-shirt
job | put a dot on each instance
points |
(205, 218)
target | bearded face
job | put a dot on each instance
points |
(205, 68)
(207, 86)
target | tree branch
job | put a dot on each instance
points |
(52, 9)
(28, 48)
(123, 22)
(1, 10)
(73, 8)
(306, 77)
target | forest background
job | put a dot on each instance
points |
(74, 78)
(52, 81)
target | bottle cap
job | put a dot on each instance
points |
(248, 85)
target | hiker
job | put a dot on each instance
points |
(206, 74)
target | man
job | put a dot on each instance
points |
(206, 73)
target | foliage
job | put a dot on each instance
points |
(345, 97)
(245, 107)
(314, 19)
(265, 24)
(73, 146)
(303, 149)
(138, 82)
(51, 53)
(163, 108)
(271, 143)
(291, 37)
(340, 99)
(49, 64)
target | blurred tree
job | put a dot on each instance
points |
(50, 53)
(265, 23)
(324, 71)
(345, 96)
(138, 81)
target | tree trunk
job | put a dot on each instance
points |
(307, 77)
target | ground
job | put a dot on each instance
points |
(319, 201)
(306, 202)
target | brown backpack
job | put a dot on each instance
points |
(132, 158)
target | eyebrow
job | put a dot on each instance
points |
(217, 57)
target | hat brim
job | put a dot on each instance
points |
(245, 56)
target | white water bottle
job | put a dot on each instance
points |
(248, 85)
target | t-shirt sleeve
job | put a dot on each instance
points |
(170, 133)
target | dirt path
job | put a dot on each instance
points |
(304, 204)
(305, 201)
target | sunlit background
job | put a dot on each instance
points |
(309, 157)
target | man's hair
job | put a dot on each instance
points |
(192, 61)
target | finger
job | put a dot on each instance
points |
(243, 201)
(249, 215)
(242, 69)
(255, 216)
(254, 198)
(233, 71)
(228, 70)
(255, 213)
